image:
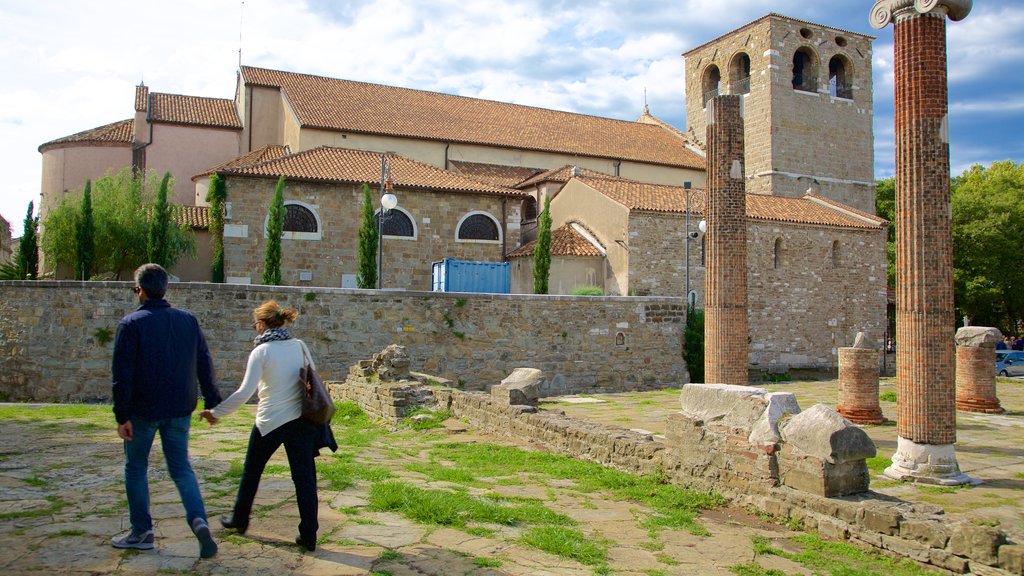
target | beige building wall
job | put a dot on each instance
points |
(607, 220)
(796, 139)
(262, 112)
(567, 273)
(332, 260)
(196, 269)
(185, 151)
(67, 168)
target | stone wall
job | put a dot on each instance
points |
(56, 337)
(6, 243)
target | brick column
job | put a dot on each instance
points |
(725, 277)
(926, 418)
(858, 386)
(975, 378)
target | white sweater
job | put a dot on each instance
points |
(273, 371)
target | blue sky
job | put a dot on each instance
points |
(71, 66)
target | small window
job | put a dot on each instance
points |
(710, 82)
(840, 41)
(529, 209)
(839, 78)
(777, 254)
(805, 76)
(298, 218)
(703, 245)
(479, 226)
(739, 74)
(835, 254)
(806, 33)
(398, 223)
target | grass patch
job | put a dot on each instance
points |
(838, 559)
(878, 464)
(35, 481)
(654, 572)
(388, 555)
(487, 562)
(276, 469)
(438, 472)
(942, 489)
(887, 396)
(56, 505)
(72, 532)
(352, 427)
(754, 569)
(98, 413)
(566, 542)
(342, 471)
(434, 419)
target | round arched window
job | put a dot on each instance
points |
(298, 218)
(397, 223)
(478, 227)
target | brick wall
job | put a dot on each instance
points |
(55, 337)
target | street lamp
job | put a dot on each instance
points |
(691, 299)
(388, 201)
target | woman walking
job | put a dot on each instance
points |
(273, 371)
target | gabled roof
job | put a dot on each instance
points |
(563, 175)
(775, 15)
(565, 241)
(809, 209)
(120, 133)
(507, 176)
(268, 152)
(193, 111)
(195, 217)
(328, 164)
(347, 106)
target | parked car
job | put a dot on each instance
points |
(1009, 363)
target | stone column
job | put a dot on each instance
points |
(975, 377)
(726, 349)
(858, 383)
(926, 417)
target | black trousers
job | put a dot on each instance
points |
(298, 437)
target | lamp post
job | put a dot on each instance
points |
(701, 226)
(388, 201)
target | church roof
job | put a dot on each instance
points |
(562, 174)
(116, 133)
(348, 106)
(195, 217)
(565, 241)
(809, 209)
(194, 111)
(268, 152)
(507, 176)
(329, 164)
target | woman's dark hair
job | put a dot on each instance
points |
(152, 278)
(271, 314)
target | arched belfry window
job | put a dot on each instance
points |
(739, 74)
(839, 84)
(298, 218)
(835, 255)
(710, 82)
(805, 70)
(398, 223)
(478, 226)
(777, 254)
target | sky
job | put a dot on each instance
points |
(72, 66)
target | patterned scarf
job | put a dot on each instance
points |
(270, 335)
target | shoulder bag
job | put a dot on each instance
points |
(317, 405)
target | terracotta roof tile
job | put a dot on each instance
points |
(268, 152)
(345, 105)
(328, 164)
(121, 132)
(565, 241)
(507, 176)
(193, 110)
(810, 209)
(195, 217)
(563, 175)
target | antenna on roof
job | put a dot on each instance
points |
(646, 109)
(241, 13)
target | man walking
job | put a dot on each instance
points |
(159, 353)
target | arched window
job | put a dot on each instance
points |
(529, 209)
(478, 226)
(710, 82)
(777, 254)
(739, 74)
(835, 254)
(298, 218)
(398, 223)
(805, 73)
(839, 85)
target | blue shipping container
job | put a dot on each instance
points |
(451, 275)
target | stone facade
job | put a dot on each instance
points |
(6, 242)
(56, 337)
(817, 136)
(332, 258)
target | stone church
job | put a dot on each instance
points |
(471, 176)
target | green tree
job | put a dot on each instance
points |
(885, 206)
(694, 344)
(27, 259)
(275, 229)
(217, 195)
(988, 215)
(158, 247)
(542, 250)
(85, 236)
(367, 243)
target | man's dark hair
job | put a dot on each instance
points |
(152, 278)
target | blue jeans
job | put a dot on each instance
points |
(174, 440)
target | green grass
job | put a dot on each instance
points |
(342, 471)
(35, 481)
(100, 414)
(887, 396)
(754, 569)
(72, 532)
(487, 562)
(835, 559)
(352, 427)
(388, 555)
(56, 505)
(438, 472)
(566, 542)
(435, 419)
(878, 464)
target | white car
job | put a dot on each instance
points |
(1009, 363)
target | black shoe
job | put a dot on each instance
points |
(309, 545)
(230, 523)
(207, 545)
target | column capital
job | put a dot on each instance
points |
(887, 11)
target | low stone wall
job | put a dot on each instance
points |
(917, 531)
(56, 337)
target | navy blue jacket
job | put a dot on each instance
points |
(159, 352)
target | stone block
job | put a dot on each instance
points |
(980, 543)
(821, 432)
(948, 561)
(1011, 558)
(978, 336)
(928, 532)
(729, 405)
(909, 548)
(520, 388)
(883, 521)
(766, 429)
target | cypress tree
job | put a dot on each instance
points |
(694, 343)
(218, 194)
(159, 229)
(27, 261)
(367, 244)
(85, 232)
(275, 229)
(542, 250)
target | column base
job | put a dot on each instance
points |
(982, 405)
(862, 416)
(926, 464)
